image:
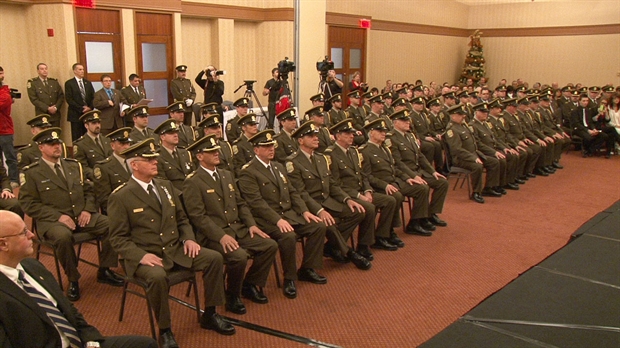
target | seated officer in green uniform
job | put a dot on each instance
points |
(31, 153)
(279, 210)
(174, 163)
(317, 116)
(335, 114)
(242, 149)
(346, 168)
(113, 171)
(153, 235)
(233, 127)
(223, 222)
(285, 144)
(7, 198)
(141, 130)
(310, 175)
(186, 133)
(54, 193)
(211, 124)
(92, 147)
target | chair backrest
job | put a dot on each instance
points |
(446, 150)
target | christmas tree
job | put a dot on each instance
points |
(474, 62)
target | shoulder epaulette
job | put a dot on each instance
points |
(362, 147)
(24, 147)
(71, 159)
(389, 134)
(32, 165)
(329, 150)
(51, 78)
(32, 79)
(104, 161)
(245, 166)
(80, 139)
(236, 141)
(120, 187)
(191, 174)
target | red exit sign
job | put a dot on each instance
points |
(84, 3)
(364, 23)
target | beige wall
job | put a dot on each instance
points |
(251, 3)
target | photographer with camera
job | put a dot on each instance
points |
(272, 89)
(213, 87)
(7, 98)
(357, 84)
(330, 85)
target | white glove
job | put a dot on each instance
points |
(189, 102)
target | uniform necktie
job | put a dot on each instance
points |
(99, 144)
(146, 134)
(216, 177)
(45, 83)
(82, 91)
(175, 155)
(271, 171)
(153, 194)
(61, 175)
(136, 89)
(52, 312)
(350, 154)
(127, 167)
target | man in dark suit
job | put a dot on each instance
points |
(26, 286)
(113, 171)
(583, 126)
(280, 211)
(91, 147)
(112, 105)
(133, 94)
(54, 194)
(79, 94)
(174, 163)
(153, 235)
(223, 222)
(46, 95)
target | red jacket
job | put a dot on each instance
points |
(6, 122)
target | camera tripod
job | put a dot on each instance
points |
(251, 94)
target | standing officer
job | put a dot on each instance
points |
(133, 94)
(174, 163)
(211, 125)
(309, 173)
(113, 171)
(46, 95)
(405, 148)
(465, 154)
(223, 222)
(243, 151)
(385, 177)
(285, 144)
(141, 130)
(233, 128)
(182, 90)
(91, 147)
(279, 210)
(346, 168)
(153, 235)
(187, 135)
(54, 194)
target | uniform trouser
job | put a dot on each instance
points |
(503, 168)
(440, 190)
(263, 252)
(208, 261)
(62, 238)
(433, 152)
(11, 204)
(492, 166)
(419, 193)
(521, 163)
(346, 222)
(287, 244)
(560, 146)
(534, 152)
(512, 163)
(388, 216)
(7, 150)
(546, 156)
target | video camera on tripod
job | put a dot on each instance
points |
(284, 67)
(324, 67)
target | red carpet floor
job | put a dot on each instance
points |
(409, 295)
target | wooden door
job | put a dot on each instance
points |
(347, 49)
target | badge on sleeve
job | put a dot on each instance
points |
(450, 133)
(289, 167)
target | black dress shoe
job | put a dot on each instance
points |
(541, 172)
(520, 181)
(531, 175)
(358, 260)
(500, 190)
(289, 289)
(234, 304)
(105, 275)
(427, 225)
(477, 197)
(73, 292)
(382, 243)
(549, 169)
(512, 186)
(414, 227)
(364, 250)
(394, 240)
(435, 220)
(557, 165)
(166, 340)
(216, 323)
(309, 275)
(254, 293)
(489, 192)
(334, 254)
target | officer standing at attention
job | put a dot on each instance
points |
(182, 90)
(223, 222)
(186, 133)
(281, 213)
(92, 147)
(46, 95)
(113, 171)
(465, 154)
(153, 235)
(54, 194)
(174, 163)
(285, 144)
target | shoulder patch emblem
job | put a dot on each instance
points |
(235, 149)
(75, 149)
(19, 157)
(388, 142)
(229, 126)
(28, 85)
(289, 167)
(22, 178)
(450, 133)
(97, 172)
(196, 134)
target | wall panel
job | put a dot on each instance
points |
(197, 52)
